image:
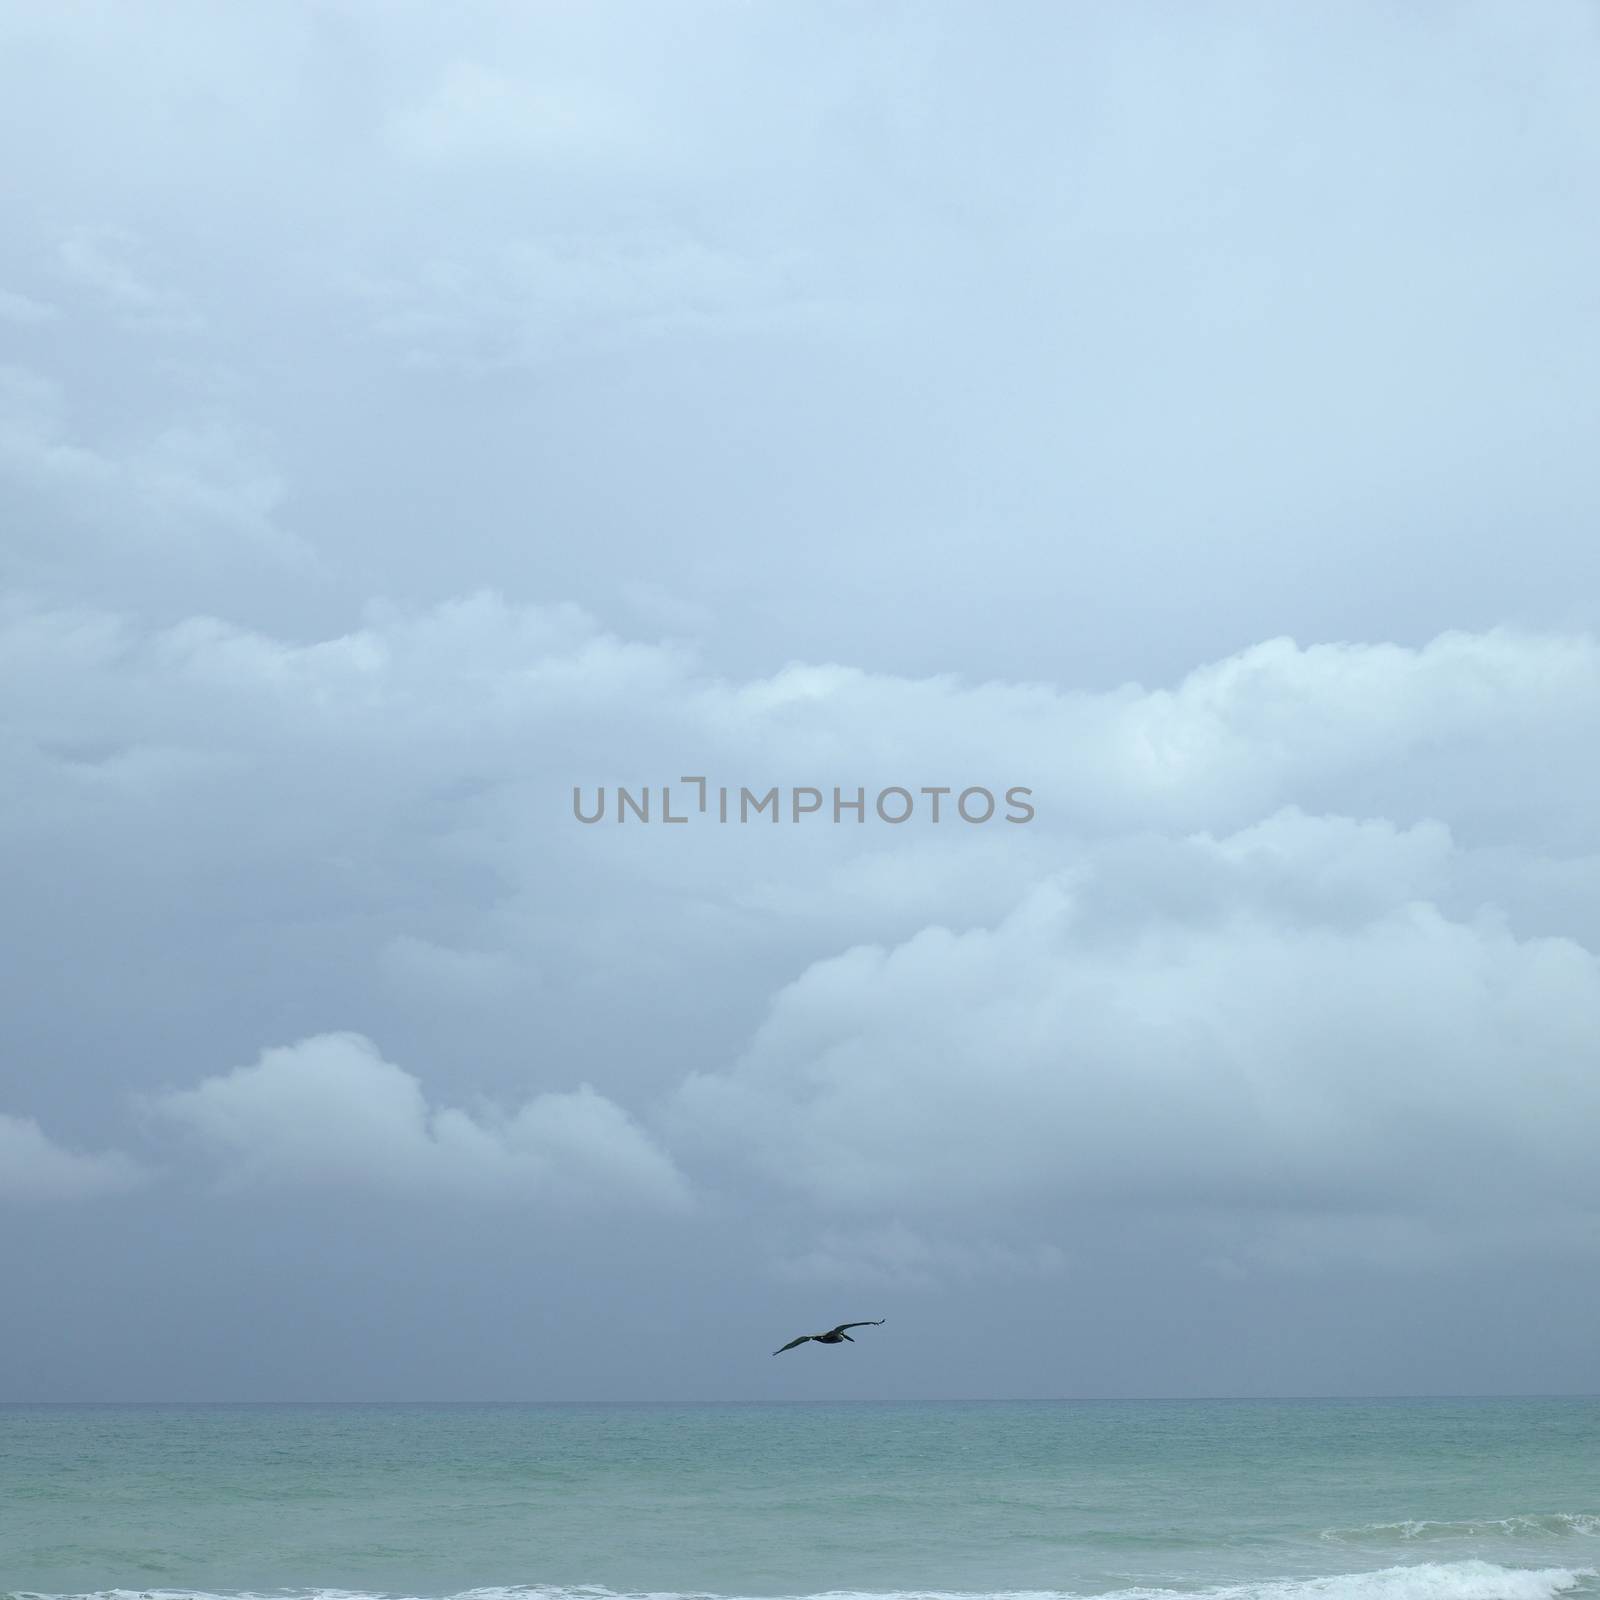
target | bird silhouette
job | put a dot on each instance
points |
(832, 1336)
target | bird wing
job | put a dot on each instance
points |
(843, 1325)
(791, 1344)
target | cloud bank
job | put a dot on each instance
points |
(1285, 940)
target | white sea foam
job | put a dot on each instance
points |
(1430, 1580)
(1531, 1525)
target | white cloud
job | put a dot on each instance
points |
(33, 1167)
(331, 1111)
(1478, 730)
(1285, 1030)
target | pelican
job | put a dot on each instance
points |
(832, 1336)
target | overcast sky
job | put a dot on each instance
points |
(1184, 411)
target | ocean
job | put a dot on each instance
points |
(1471, 1499)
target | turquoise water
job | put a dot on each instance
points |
(1272, 1500)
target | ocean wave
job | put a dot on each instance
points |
(1428, 1580)
(1554, 1524)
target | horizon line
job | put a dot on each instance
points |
(1120, 1399)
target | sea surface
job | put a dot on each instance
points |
(1250, 1500)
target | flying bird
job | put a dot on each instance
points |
(832, 1336)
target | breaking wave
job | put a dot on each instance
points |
(1431, 1580)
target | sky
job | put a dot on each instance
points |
(410, 416)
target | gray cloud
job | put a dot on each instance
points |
(33, 1167)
